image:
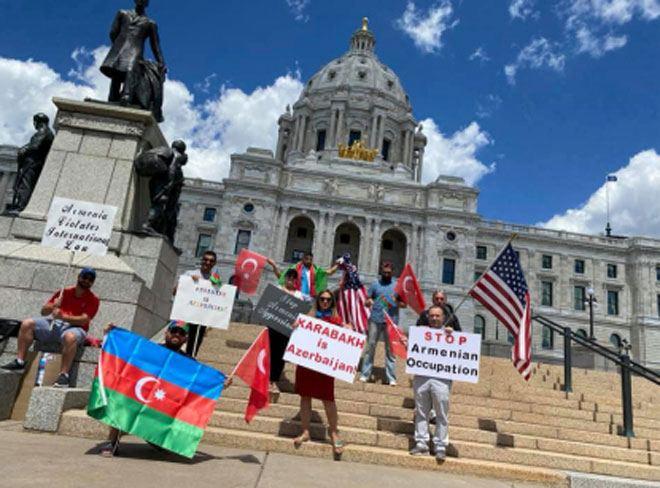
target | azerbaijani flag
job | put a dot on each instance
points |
(162, 396)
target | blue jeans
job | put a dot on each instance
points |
(376, 330)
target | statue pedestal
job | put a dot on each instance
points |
(91, 159)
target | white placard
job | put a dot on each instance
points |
(433, 352)
(203, 303)
(79, 226)
(324, 347)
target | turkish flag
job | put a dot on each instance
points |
(396, 338)
(407, 287)
(247, 271)
(254, 370)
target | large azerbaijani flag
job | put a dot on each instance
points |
(149, 391)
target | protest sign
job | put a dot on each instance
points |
(203, 303)
(278, 309)
(433, 352)
(324, 347)
(79, 226)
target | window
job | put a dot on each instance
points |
(579, 266)
(579, 297)
(509, 337)
(344, 238)
(611, 270)
(354, 135)
(385, 151)
(479, 326)
(320, 140)
(482, 252)
(242, 240)
(209, 214)
(204, 243)
(477, 275)
(450, 236)
(546, 293)
(548, 338)
(448, 271)
(582, 333)
(301, 232)
(388, 244)
(546, 261)
(657, 273)
(615, 340)
(248, 208)
(658, 300)
(612, 302)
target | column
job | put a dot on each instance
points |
(373, 130)
(282, 234)
(365, 244)
(422, 260)
(406, 149)
(4, 183)
(294, 139)
(319, 239)
(412, 255)
(339, 131)
(375, 248)
(301, 133)
(333, 128)
(330, 236)
(381, 134)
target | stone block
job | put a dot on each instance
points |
(95, 144)
(5, 226)
(67, 140)
(47, 404)
(118, 287)
(123, 147)
(16, 274)
(21, 305)
(117, 192)
(82, 374)
(29, 229)
(85, 177)
(9, 383)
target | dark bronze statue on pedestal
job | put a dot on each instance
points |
(31, 159)
(135, 81)
(163, 167)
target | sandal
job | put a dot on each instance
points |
(300, 440)
(338, 448)
(109, 449)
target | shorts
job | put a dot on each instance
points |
(44, 333)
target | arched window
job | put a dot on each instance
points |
(479, 326)
(582, 333)
(615, 340)
(347, 240)
(300, 238)
(393, 249)
(547, 338)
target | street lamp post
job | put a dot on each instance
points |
(591, 299)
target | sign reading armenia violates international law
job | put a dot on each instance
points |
(326, 348)
(453, 356)
(201, 302)
(278, 309)
(79, 226)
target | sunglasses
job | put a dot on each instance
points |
(325, 299)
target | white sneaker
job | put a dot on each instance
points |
(364, 379)
(392, 383)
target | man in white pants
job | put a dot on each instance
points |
(432, 393)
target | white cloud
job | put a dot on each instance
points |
(487, 105)
(480, 55)
(455, 155)
(297, 8)
(634, 204)
(522, 9)
(227, 122)
(593, 23)
(540, 53)
(426, 29)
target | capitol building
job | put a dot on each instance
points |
(345, 176)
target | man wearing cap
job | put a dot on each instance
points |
(176, 336)
(65, 320)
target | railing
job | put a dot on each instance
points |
(622, 359)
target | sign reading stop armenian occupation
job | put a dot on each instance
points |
(278, 309)
(203, 303)
(432, 352)
(79, 226)
(326, 348)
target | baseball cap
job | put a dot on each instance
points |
(91, 272)
(177, 325)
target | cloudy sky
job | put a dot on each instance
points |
(534, 102)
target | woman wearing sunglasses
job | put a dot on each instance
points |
(312, 384)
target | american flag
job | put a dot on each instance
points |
(504, 292)
(352, 297)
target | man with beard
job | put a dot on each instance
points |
(382, 300)
(65, 320)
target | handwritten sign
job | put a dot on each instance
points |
(203, 303)
(79, 226)
(278, 309)
(432, 352)
(326, 348)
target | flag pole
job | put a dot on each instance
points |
(467, 293)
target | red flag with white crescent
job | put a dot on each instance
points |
(254, 370)
(407, 287)
(247, 271)
(396, 338)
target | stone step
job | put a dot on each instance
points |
(77, 423)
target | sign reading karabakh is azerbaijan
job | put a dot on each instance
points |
(149, 391)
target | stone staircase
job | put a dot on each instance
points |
(499, 428)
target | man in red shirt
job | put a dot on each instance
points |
(64, 320)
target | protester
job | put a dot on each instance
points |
(440, 300)
(206, 271)
(311, 278)
(382, 300)
(431, 393)
(312, 384)
(65, 320)
(176, 336)
(278, 341)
